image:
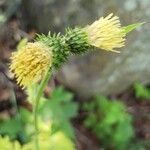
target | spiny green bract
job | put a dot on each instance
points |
(77, 40)
(57, 45)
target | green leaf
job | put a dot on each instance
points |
(22, 43)
(141, 91)
(15, 127)
(11, 127)
(131, 27)
(61, 95)
(60, 109)
(25, 115)
(110, 122)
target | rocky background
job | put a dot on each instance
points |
(99, 71)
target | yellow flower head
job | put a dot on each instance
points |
(30, 63)
(106, 33)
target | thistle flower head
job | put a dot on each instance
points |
(30, 63)
(106, 33)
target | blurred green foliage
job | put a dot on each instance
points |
(60, 109)
(107, 119)
(111, 123)
(16, 126)
(55, 114)
(141, 91)
(57, 141)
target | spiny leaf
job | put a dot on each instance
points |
(131, 27)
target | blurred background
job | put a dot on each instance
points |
(124, 76)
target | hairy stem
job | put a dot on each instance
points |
(37, 100)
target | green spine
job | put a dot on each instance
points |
(77, 40)
(57, 45)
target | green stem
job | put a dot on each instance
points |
(37, 100)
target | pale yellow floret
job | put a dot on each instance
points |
(30, 63)
(106, 33)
